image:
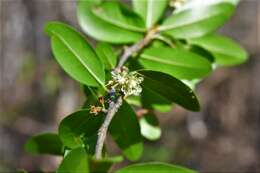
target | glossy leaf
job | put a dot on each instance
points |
(103, 166)
(150, 128)
(125, 130)
(225, 50)
(202, 52)
(197, 21)
(152, 100)
(75, 55)
(119, 15)
(47, 143)
(155, 167)
(133, 100)
(179, 63)
(170, 88)
(75, 128)
(101, 30)
(150, 10)
(75, 161)
(106, 55)
(199, 3)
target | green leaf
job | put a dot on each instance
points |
(133, 100)
(202, 52)
(103, 166)
(119, 15)
(150, 128)
(75, 128)
(198, 3)
(150, 10)
(197, 21)
(225, 50)
(75, 161)
(154, 167)
(101, 30)
(106, 55)
(179, 63)
(47, 143)
(170, 88)
(125, 130)
(75, 55)
(152, 100)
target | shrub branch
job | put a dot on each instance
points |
(102, 133)
(114, 106)
(128, 52)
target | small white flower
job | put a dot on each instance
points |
(125, 82)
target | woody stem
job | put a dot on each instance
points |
(114, 106)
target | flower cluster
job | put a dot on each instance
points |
(125, 82)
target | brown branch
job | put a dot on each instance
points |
(114, 106)
(128, 52)
(102, 133)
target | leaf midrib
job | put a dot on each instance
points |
(171, 27)
(118, 23)
(78, 58)
(220, 51)
(149, 13)
(156, 59)
(108, 59)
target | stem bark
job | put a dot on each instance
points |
(114, 106)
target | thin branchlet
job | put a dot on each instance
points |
(129, 51)
(115, 105)
(102, 133)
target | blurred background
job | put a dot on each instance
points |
(35, 94)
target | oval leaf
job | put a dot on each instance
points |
(150, 128)
(47, 143)
(199, 3)
(177, 62)
(150, 10)
(75, 161)
(106, 55)
(170, 88)
(202, 52)
(101, 30)
(119, 15)
(74, 128)
(155, 167)
(152, 100)
(225, 50)
(125, 130)
(197, 21)
(75, 55)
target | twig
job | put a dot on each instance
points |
(114, 106)
(136, 47)
(102, 133)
